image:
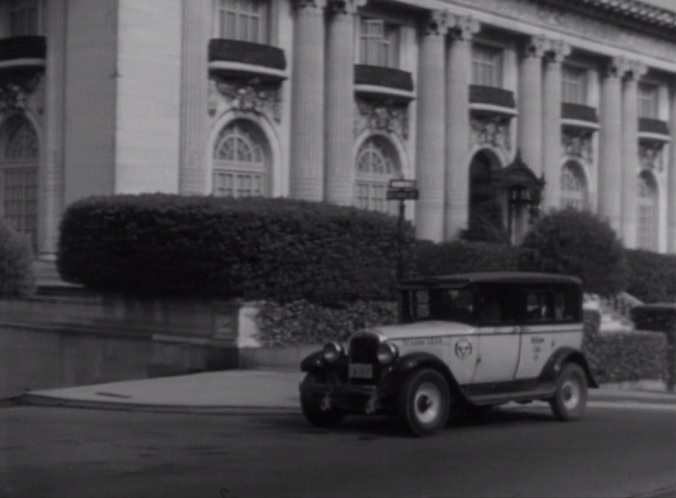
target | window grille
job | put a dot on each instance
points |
(573, 188)
(376, 166)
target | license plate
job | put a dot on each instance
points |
(361, 371)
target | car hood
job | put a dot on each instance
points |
(429, 328)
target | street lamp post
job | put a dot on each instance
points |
(401, 190)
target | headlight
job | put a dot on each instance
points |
(387, 353)
(332, 351)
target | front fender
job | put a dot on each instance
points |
(561, 356)
(414, 361)
(314, 362)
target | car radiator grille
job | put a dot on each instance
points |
(364, 350)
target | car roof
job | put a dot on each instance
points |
(513, 277)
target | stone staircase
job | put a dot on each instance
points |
(615, 311)
(48, 281)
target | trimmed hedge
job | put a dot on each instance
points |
(16, 264)
(461, 256)
(652, 276)
(302, 322)
(655, 317)
(579, 243)
(254, 248)
(623, 356)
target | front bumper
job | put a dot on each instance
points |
(348, 397)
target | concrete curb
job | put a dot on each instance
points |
(49, 401)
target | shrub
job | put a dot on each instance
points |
(254, 248)
(579, 243)
(302, 322)
(652, 276)
(655, 317)
(460, 257)
(623, 356)
(16, 264)
(485, 224)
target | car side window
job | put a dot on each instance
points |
(554, 304)
(496, 305)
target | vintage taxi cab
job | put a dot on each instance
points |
(463, 341)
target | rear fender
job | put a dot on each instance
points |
(561, 356)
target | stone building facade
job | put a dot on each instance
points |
(519, 106)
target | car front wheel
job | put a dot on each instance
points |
(319, 412)
(570, 399)
(424, 402)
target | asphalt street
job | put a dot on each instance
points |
(615, 451)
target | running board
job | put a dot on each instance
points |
(492, 399)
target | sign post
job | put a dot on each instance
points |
(401, 190)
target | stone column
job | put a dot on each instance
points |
(339, 135)
(630, 157)
(458, 72)
(610, 144)
(671, 175)
(307, 101)
(194, 134)
(430, 150)
(530, 103)
(551, 126)
(51, 181)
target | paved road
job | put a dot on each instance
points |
(614, 451)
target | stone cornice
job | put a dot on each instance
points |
(345, 7)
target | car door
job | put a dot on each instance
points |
(498, 333)
(538, 330)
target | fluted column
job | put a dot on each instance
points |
(194, 137)
(530, 103)
(51, 198)
(339, 138)
(430, 150)
(671, 195)
(630, 158)
(459, 68)
(610, 144)
(307, 105)
(551, 126)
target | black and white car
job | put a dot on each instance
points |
(470, 340)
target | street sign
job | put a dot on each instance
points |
(401, 184)
(402, 195)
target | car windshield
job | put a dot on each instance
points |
(449, 304)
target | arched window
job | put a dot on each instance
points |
(573, 187)
(647, 213)
(19, 158)
(376, 164)
(241, 162)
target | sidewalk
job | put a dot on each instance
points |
(247, 391)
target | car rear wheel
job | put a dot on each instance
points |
(424, 402)
(319, 412)
(570, 399)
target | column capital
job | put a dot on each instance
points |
(345, 7)
(558, 50)
(617, 67)
(535, 48)
(463, 28)
(438, 23)
(309, 4)
(635, 70)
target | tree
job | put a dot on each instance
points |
(579, 243)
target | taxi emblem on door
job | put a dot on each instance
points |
(463, 348)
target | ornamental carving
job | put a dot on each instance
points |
(385, 116)
(558, 51)
(577, 144)
(536, 47)
(345, 6)
(313, 4)
(438, 23)
(251, 96)
(491, 130)
(22, 93)
(651, 155)
(464, 28)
